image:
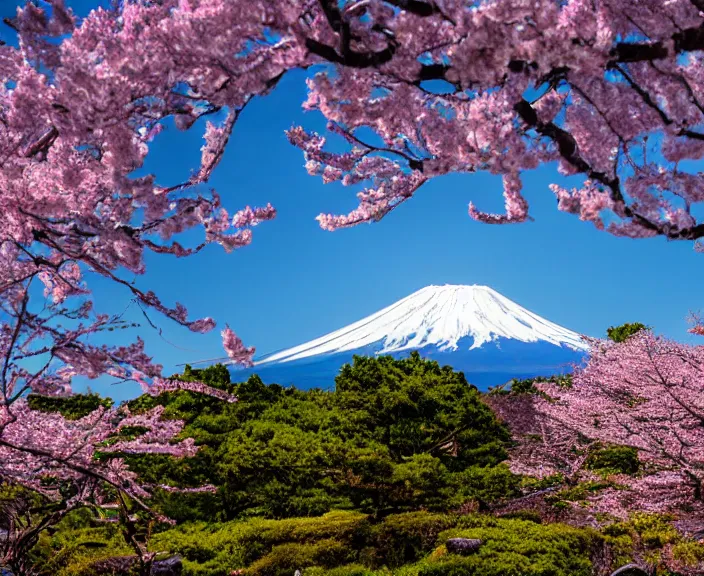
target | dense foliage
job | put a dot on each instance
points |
(624, 331)
(395, 435)
(348, 543)
(372, 479)
(71, 407)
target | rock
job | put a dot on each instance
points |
(630, 570)
(170, 567)
(119, 565)
(113, 566)
(463, 546)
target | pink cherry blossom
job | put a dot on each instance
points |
(611, 92)
(236, 350)
(645, 393)
(161, 385)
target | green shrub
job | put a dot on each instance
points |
(655, 530)
(345, 543)
(216, 549)
(528, 385)
(71, 407)
(518, 547)
(71, 552)
(523, 386)
(404, 538)
(643, 535)
(614, 460)
(530, 484)
(348, 570)
(688, 553)
(625, 331)
(577, 493)
(337, 524)
(528, 515)
(284, 559)
(486, 484)
(621, 548)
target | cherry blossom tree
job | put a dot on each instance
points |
(543, 446)
(644, 393)
(608, 90)
(80, 463)
(75, 123)
(647, 393)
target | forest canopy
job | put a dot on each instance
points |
(394, 435)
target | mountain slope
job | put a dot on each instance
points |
(471, 328)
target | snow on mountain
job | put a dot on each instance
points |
(474, 329)
(445, 318)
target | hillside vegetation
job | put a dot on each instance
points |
(371, 478)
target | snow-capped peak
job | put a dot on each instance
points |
(438, 316)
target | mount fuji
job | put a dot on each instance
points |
(474, 329)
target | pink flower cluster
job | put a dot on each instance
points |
(646, 393)
(613, 91)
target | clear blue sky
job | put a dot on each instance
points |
(296, 281)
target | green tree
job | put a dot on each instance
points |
(392, 436)
(71, 407)
(625, 331)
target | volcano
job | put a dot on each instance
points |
(474, 329)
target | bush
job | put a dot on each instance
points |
(576, 493)
(688, 553)
(71, 552)
(404, 538)
(655, 530)
(645, 535)
(349, 544)
(348, 570)
(216, 549)
(517, 547)
(527, 515)
(70, 407)
(284, 559)
(614, 460)
(486, 484)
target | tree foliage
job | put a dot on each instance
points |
(626, 435)
(70, 407)
(609, 90)
(377, 474)
(394, 435)
(625, 331)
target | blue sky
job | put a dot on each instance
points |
(296, 281)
